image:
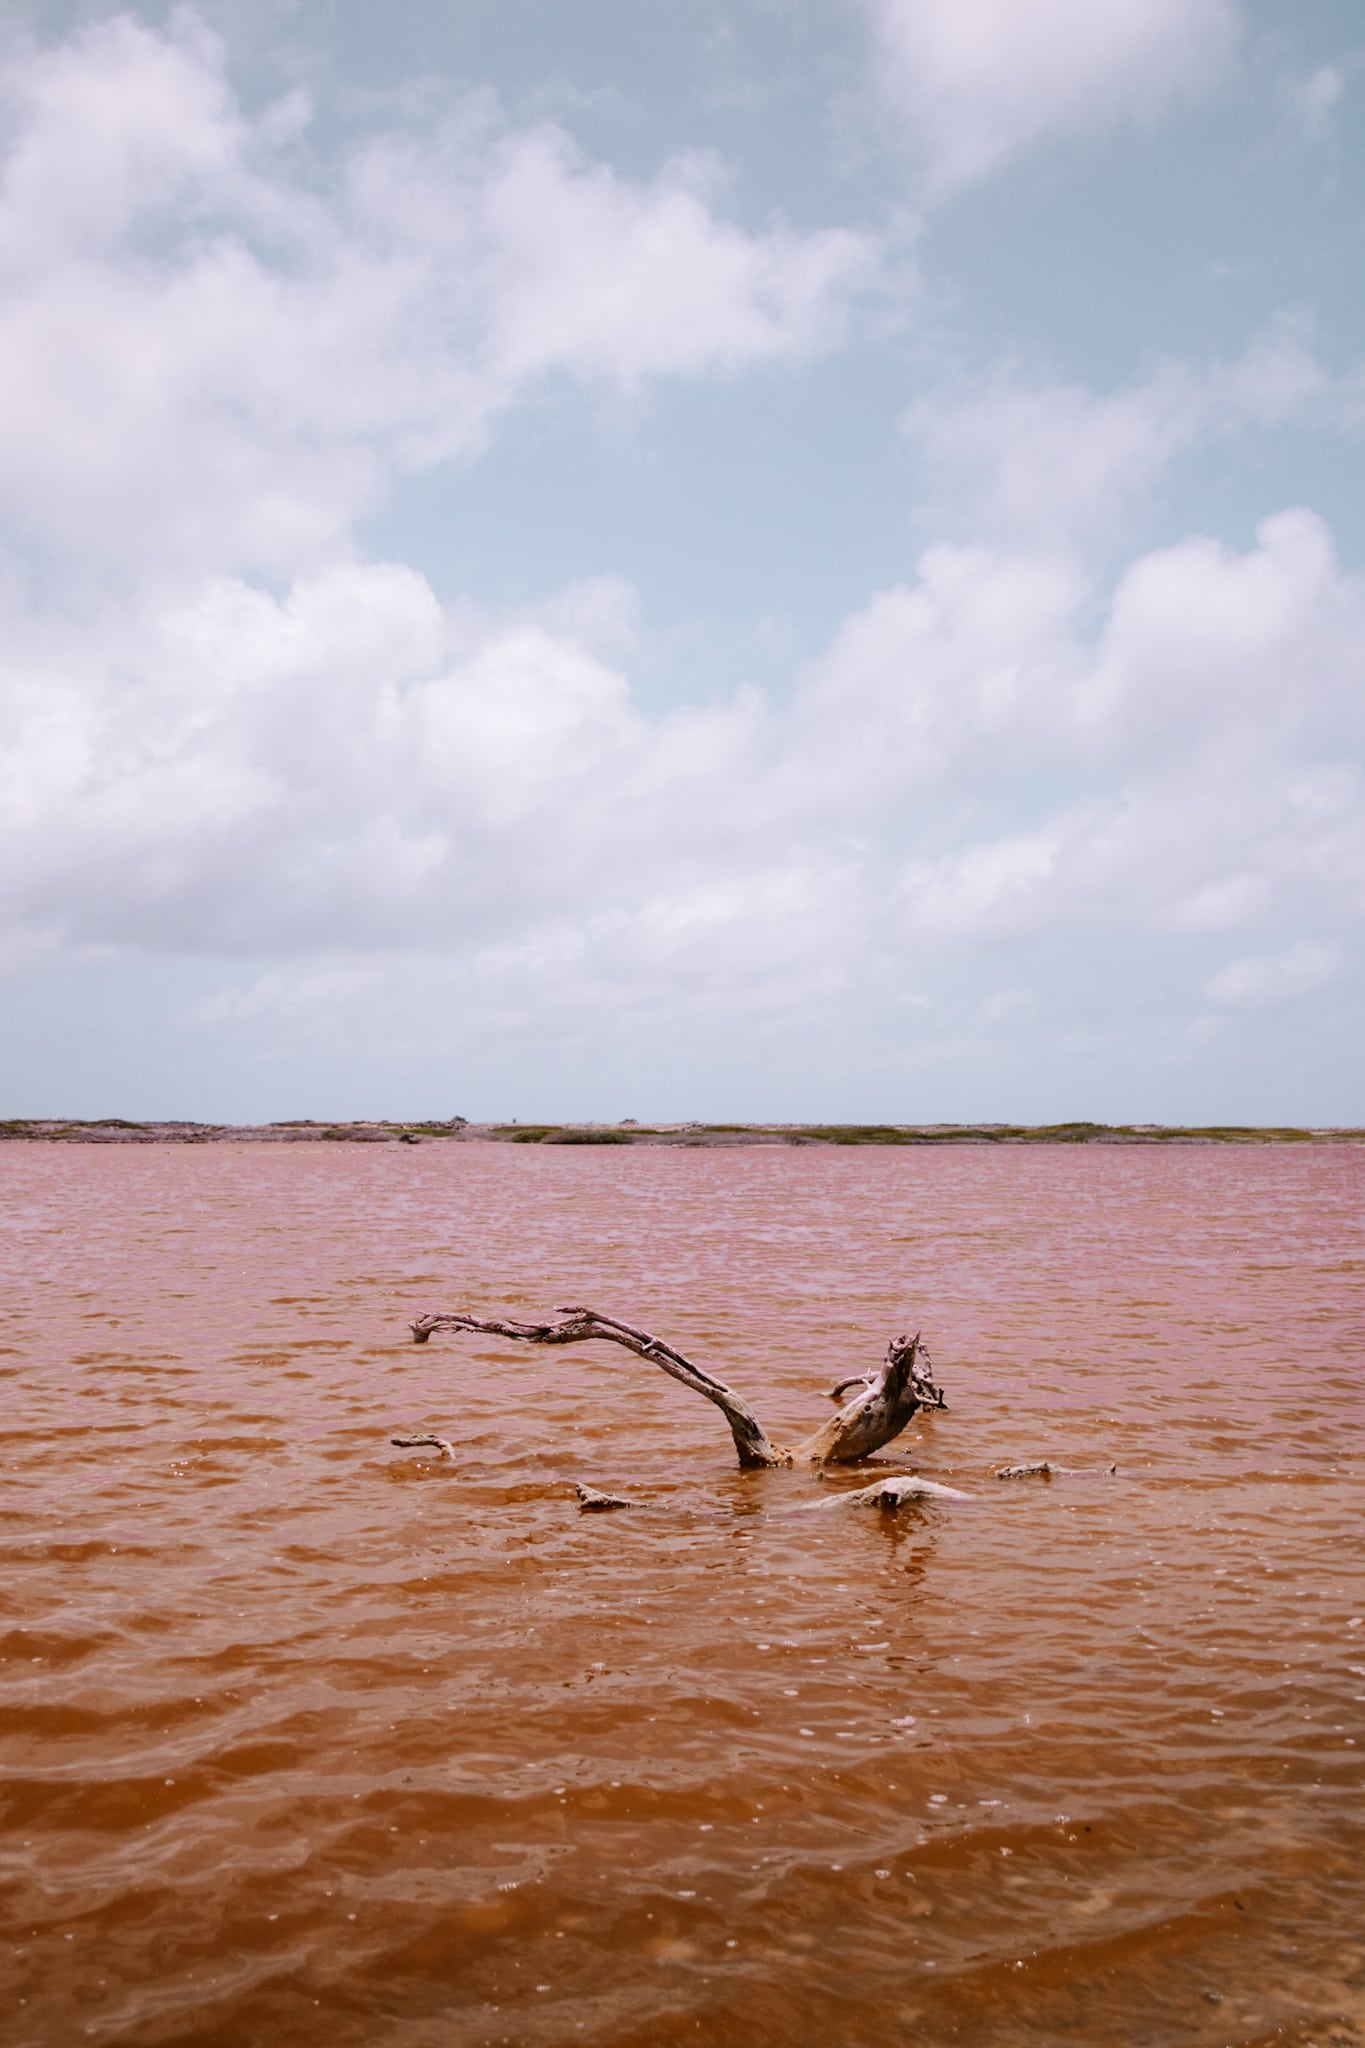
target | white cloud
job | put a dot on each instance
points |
(1177, 846)
(217, 344)
(1188, 767)
(114, 125)
(1248, 648)
(997, 888)
(350, 767)
(347, 765)
(976, 82)
(593, 276)
(1059, 467)
(1054, 465)
(961, 666)
(1285, 977)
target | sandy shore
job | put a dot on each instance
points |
(120, 1131)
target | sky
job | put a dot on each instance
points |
(740, 559)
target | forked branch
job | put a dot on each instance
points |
(887, 1399)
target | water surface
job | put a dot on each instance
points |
(305, 1739)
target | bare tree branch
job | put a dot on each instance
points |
(582, 1325)
(885, 1403)
(418, 1443)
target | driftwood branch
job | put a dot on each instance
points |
(583, 1325)
(886, 1401)
(893, 1493)
(594, 1502)
(881, 1402)
(1044, 1469)
(419, 1443)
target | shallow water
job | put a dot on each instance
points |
(307, 1739)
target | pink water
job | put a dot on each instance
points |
(304, 1739)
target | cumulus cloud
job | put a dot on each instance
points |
(1261, 646)
(976, 82)
(1198, 748)
(350, 766)
(346, 764)
(218, 342)
(969, 663)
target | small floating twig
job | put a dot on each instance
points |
(1045, 1469)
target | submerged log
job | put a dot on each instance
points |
(887, 1400)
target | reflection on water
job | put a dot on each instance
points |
(306, 1739)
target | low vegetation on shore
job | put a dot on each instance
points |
(121, 1131)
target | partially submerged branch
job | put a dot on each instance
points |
(890, 1398)
(583, 1325)
(1045, 1469)
(421, 1443)
(887, 1399)
(593, 1501)
(893, 1493)
(882, 1402)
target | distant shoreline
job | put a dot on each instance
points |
(121, 1131)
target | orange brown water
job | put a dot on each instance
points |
(310, 1740)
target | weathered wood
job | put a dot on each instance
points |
(583, 1325)
(893, 1493)
(417, 1443)
(593, 1502)
(886, 1401)
(1044, 1469)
